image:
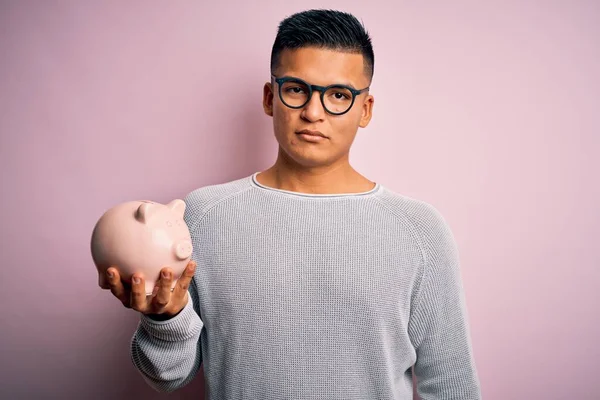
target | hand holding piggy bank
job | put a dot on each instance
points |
(141, 238)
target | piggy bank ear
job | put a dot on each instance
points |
(177, 206)
(144, 212)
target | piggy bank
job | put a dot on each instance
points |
(142, 237)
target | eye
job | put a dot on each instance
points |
(169, 224)
(295, 90)
(341, 96)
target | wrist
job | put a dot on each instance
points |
(164, 316)
(167, 315)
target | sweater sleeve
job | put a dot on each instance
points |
(439, 327)
(168, 353)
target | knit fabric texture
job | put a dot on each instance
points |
(313, 296)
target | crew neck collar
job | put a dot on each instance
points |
(259, 185)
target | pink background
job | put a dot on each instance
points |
(487, 110)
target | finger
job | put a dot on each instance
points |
(183, 283)
(103, 280)
(116, 286)
(163, 296)
(138, 298)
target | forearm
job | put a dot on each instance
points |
(168, 353)
(448, 371)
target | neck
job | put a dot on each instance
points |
(336, 178)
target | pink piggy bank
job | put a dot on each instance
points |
(143, 237)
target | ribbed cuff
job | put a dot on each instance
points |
(184, 325)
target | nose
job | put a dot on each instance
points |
(183, 249)
(313, 110)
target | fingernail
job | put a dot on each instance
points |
(165, 274)
(110, 274)
(136, 280)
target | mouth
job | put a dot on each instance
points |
(311, 136)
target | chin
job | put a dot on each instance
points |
(310, 160)
(305, 154)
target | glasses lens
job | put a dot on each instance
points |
(294, 93)
(337, 99)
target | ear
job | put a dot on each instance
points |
(144, 212)
(367, 111)
(268, 99)
(178, 206)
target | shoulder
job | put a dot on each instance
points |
(426, 221)
(424, 216)
(201, 200)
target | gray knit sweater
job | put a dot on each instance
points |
(303, 296)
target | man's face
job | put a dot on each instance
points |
(318, 67)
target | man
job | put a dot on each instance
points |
(312, 281)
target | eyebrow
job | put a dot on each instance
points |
(336, 83)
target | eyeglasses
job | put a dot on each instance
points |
(337, 99)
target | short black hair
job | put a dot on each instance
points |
(326, 29)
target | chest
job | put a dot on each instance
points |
(302, 268)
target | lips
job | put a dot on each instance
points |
(311, 133)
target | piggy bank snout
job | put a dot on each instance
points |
(183, 249)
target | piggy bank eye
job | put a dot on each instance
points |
(177, 222)
(169, 224)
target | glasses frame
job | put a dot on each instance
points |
(321, 89)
